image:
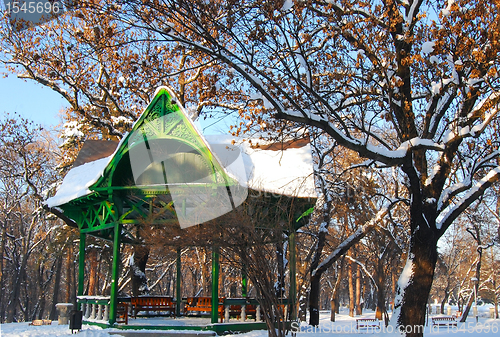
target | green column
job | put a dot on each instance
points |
(215, 284)
(81, 266)
(115, 273)
(244, 282)
(293, 276)
(178, 294)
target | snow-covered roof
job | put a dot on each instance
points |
(268, 168)
(284, 169)
(285, 172)
(77, 181)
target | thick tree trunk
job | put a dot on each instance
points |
(380, 279)
(414, 284)
(16, 287)
(314, 300)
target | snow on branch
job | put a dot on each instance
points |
(466, 182)
(476, 130)
(361, 232)
(411, 14)
(365, 270)
(472, 195)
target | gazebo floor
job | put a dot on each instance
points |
(195, 325)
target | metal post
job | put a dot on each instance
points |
(475, 282)
(113, 303)
(178, 295)
(215, 284)
(244, 282)
(293, 276)
(81, 266)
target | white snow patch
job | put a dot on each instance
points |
(71, 130)
(447, 11)
(77, 181)
(287, 5)
(428, 47)
(434, 59)
(121, 120)
(288, 172)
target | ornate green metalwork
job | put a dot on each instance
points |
(99, 212)
(178, 275)
(214, 314)
(115, 206)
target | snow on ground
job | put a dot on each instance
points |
(344, 326)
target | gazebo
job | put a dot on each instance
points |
(169, 174)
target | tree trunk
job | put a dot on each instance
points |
(314, 300)
(477, 237)
(335, 295)
(466, 310)
(139, 282)
(16, 287)
(393, 289)
(205, 273)
(280, 282)
(415, 283)
(359, 310)
(56, 289)
(303, 303)
(445, 299)
(69, 281)
(2, 278)
(380, 279)
(92, 258)
(495, 295)
(315, 281)
(351, 288)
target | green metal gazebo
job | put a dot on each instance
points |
(165, 172)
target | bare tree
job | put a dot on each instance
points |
(355, 71)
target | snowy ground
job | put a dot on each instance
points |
(344, 326)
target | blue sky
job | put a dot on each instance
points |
(30, 100)
(43, 105)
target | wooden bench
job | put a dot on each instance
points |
(365, 323)
(200, 305)
(122, 313)
(152, 304)
(444, 321)
(250, 310)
